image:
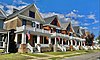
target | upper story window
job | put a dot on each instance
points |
(58, 31)
(41, 26)
(23, 22)
(33, 24)
(32, 14)
(37, 25)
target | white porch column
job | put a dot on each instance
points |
(68, 42)
(62, 41)
(84, 43)
(79, 43)
(23, 38)
(7, 43)
(49, 40)
(38, 43)
(38, 39)
(75, 43)
(71, 42)
(16, 38)
(55, 41)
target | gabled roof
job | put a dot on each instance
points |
(65, 25)
(22, 10)
(76, 28)
(48, 20)
(2, 14)
(83, 31)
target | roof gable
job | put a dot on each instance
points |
(25, 12)
(2, 14)
(53, 20)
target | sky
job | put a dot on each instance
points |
(84, 13)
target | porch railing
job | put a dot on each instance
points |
(21, 28)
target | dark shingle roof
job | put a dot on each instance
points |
(2, 14)
(65, 25)
(76, 28)
(48, 20)
(23, 9)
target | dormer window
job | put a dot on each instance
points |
(32, 14)
(23, 22)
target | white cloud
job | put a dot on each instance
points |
(1, 6)
(10, 8)
(75, 15)
(85, 27)
(75, 22)
(95, 28)
(45, 15)
(86, 24)
(91, 16)
(95, 21)
(71, 14)
(20, 2)
(75, 10)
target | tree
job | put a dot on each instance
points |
(98, 38)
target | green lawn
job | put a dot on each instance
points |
(1, 50)
(36, 55)
(55, 55)
(13, 56)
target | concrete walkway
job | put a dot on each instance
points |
(91, 56)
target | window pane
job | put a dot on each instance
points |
(23, 22)
(31, 14)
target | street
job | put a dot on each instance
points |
(91, 56)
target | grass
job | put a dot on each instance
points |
(36, 55)
(1, 50)
(56, 55)
(13, 56)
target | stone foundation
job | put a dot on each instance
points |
(22, 48)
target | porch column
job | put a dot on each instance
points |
(23, 38)
(55, 45)
(84, 43)
(68, 42)
(38, 43)
(55, 41)
(62, 41)
(71, 42)
(7, 43)
(49, 40)
(75, 43)
(16, 38)
(38, 39)
(79, 43)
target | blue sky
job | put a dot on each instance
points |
(85, 13)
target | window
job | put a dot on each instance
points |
(23, 22)
(41, 25)
(37, 25)
(33, 24)
(31, 14)
(57, 30)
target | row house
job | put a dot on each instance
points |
(30, 32)
(4, 34)
(25, 22)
